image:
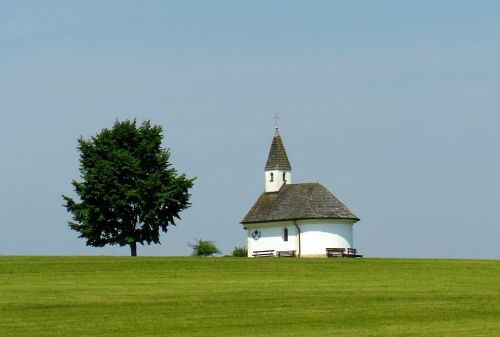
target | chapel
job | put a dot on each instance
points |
(303, 220)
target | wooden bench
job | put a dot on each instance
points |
(285, 253)
(263, 253)
(351, 252)
(335, 252)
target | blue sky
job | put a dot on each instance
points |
(392, 105)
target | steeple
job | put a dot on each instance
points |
(277, 159)
(278, 168)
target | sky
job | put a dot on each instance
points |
(394, 106)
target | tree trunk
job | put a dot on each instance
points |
(133, 249)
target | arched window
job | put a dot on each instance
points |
(285, 234)
(284, 177)
(272, 177)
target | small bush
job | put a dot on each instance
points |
(204, 248)
(240, 252)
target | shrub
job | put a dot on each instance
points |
(240, 252)
(204, 248)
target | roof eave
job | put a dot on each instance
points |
(296, 219)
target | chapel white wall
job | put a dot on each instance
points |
(316, 236)
(272, 237)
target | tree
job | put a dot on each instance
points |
(129, 191)
(204, 248)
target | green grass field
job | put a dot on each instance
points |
(185, 296)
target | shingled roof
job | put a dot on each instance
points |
(298, 201)
(277, 159)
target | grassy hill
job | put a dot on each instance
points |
(165, 296)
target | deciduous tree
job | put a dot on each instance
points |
(129, 191)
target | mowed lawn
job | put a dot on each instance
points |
(185, 296)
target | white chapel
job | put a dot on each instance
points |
(302, 219)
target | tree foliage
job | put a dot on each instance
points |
(129, 191)
(204, 248)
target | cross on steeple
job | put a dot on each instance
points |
(276, 120)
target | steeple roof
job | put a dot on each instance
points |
(277, 159)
